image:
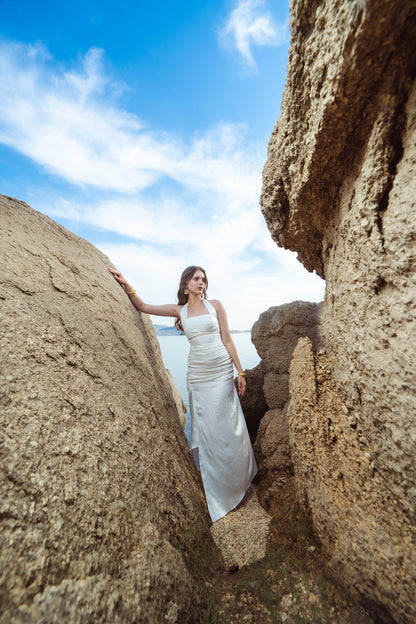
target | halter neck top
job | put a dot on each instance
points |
(202, 324)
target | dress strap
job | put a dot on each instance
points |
(210, 307)
(184, 310)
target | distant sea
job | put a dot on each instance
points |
(175, 350)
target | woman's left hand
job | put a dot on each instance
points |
(241, 382)
(120, 278)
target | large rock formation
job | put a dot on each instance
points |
(275, 336)
(101, 506)
(340, 189)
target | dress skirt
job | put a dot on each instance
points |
(219, 438)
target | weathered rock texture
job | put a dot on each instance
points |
(99, 496)
(340, 189)
(361, 524)
(242, 534)
(275, 336)
(253, 402)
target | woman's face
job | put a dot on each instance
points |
(197, 283)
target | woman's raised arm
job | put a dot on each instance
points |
(170, 309)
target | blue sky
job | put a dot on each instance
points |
(143, 127)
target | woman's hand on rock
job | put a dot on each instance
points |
(241, 382)
(119, 277)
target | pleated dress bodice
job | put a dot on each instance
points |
(208, 358)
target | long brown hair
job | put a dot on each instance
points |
(187, 275)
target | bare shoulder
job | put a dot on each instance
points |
(216, 303)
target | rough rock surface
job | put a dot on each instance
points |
(253, 402)
(277, 331)
(275, 336)
(98, 491)
(272, 449)
(364, 529)
(340, 189)
(349, 81)
(242, 534)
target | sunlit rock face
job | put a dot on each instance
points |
(340, 189)
(99, 498)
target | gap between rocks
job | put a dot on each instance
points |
(273, 567)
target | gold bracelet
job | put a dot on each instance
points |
(130, 292)
(242, 374)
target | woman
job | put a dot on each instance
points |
(219, 439)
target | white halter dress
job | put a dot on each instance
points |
(219, 436)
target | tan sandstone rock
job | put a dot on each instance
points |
(242, 534)
(272, 448)
(275, 336)
(368, 539)
(276, 390)
(277, 330)
(340, 189)
(101, 506)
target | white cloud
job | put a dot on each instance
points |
(250, 24)
(64, 120)
(176, 228)
(246, 270)
(70, 122)
(245, 293)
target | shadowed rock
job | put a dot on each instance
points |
(275, 336)
(253, 402)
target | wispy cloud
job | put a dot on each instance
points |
(180, 200)
(250, 24)
(65, 121)
(246, 290)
